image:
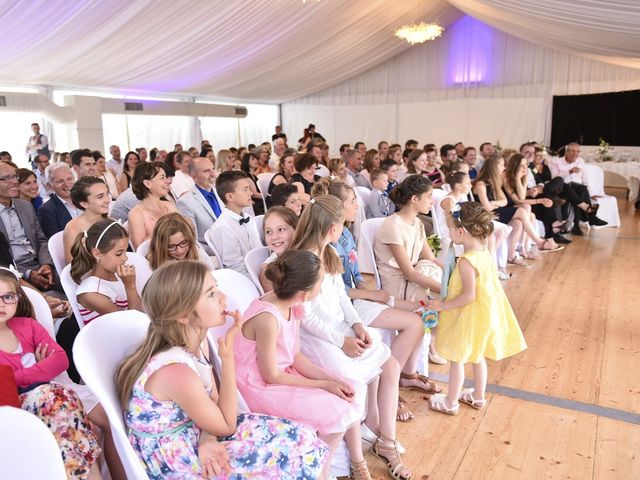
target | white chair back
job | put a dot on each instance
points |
(70, 287)
(56, 249)
(97, 350)
(209, 240)
(437, 214)
(368, 231)
(143, 248)
(264, 179)
(27, 448)
(253, 260)
(143, 269)
(42, 310)
(364, 193)
(259, 225)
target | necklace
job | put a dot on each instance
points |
(203, 361)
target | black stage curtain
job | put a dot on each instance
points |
(585, 119)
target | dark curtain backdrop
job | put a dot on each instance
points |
(585, 119)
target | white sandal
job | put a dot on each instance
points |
(467, 397)
(438, 403)
(434, 357)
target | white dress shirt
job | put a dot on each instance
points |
(233, 240)
(42, 185)
(36, 144)
(561, 168)
(115, 166)
(182, 183)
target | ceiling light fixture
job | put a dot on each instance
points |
(419, 32)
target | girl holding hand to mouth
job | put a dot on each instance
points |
(91, 195)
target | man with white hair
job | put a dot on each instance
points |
(115, 164)
(56, 212)
(279, 146)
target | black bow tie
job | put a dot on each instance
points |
(244, 220)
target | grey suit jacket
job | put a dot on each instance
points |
(195, 207)
(36, 236)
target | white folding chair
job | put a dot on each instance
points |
(608, 211)
(42, 310)
(98, 349)
(28, 449)
(209, 240)
(143, 248)
(240, 291)
(436, 212)
(143, 269)
(264, 179)
(70, 287)
(366, 256)
(364, 193)
(253, 260)
(56, 249)
(259, 225)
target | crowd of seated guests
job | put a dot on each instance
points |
(192, 211)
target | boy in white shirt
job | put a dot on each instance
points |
(234, 234)
(379, 204)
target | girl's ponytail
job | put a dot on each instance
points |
(83, 260)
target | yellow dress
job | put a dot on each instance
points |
(486, 327)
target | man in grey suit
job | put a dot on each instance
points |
(26, 239)
(201, 205)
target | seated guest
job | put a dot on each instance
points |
(104, 174)
(28, 188)
(353, 161)
(83, 163)
(285, 170)
(371, 162)
(262, 153)
(150, 185)
(233, 234)
(42, 162)
(182, 182)
(317, 150)
(201, 205)
(123, 205)
(59, 210)
(395, 154)
(448, 155)
(338, 169)
(279, 225)
(417, 163)
(131, 160)
(469, 156)
(249, 166)
(174, 239)
(91, 196)
(570, 168)
(20, 227)
(170, 397)
(106, 283)
(226, 160)
(390, 167)
(287, 195)
(432, 172)
(305, 166)
(379, 204)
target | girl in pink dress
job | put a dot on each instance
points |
(272, 374)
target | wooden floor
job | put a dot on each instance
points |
(580, 313)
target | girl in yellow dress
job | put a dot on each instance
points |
(477, 321)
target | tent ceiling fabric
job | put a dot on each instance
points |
(608, 31)
(256, 50)
(270, 51)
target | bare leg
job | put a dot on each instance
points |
(332, 440)
(388, 398)
(354, 443)
(456, 380)
(409, 337)
(373, 414)
(479, 379)
(516, 225)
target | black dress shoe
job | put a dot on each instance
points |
(577, 231)
(559, 239)
(596, 222)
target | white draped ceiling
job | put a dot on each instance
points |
(270, 51)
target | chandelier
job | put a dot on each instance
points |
(419, 32)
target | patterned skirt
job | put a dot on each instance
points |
(61, 411)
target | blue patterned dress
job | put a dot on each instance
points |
(263, 447)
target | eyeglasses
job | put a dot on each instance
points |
(182, 244)
(8, 178)
(10, 298)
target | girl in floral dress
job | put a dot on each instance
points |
(180, 424)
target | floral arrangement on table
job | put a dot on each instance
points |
(434, 243)
(604, 151)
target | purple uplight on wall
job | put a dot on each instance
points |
(470, 52)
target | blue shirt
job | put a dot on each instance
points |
(211, 199)
(346, 248)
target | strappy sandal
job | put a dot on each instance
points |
(516, 261)
(403, 414)
(438, 403)
(386, 450)
(360, 471)
(429, 387)
(467, 397)
(541, 249)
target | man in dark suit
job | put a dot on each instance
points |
(19, 225)
(55, 213)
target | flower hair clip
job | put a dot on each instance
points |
(312, 201)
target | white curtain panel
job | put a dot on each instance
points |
(608, 31)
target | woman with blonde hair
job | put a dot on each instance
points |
(173, 238)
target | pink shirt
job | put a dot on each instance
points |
(30, 333)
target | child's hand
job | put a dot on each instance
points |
(437, 305)
(362, 334)
(42, 352)
(353, 347)
(339, 389)
(214, 458)
(225, 344)
(127, 274)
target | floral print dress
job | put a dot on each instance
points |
(263, 447)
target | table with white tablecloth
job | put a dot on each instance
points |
(629, 170)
